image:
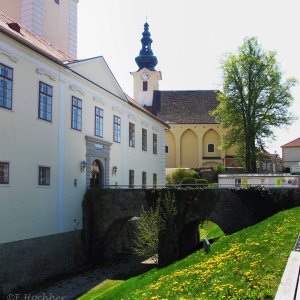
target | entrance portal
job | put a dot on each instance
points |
(96, 176)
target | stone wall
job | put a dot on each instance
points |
(106, 214)
(28, 262)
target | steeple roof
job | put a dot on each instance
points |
(146, 59)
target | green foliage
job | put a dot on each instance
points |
(254, 100)
(177, 175)
(146, 238)
(202, 181)
(150, 223)
(245, 265)
(188, 180)
(210, 230)
(218, 169)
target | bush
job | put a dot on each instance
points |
(150, 223)
(176, 176)
(203, 182)
(218, 169)
(188, 182)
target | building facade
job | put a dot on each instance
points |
(291, 153)
(194, 137)
(65, 126)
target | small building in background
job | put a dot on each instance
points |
(269, 163)
(291, 153)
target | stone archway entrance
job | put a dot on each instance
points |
(96, 174)
(97, 159)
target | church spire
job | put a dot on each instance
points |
(146, 59)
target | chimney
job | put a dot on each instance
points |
(14, 26)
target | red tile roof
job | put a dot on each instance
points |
(294, 143)
(32, 40)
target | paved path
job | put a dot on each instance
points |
(72, 287)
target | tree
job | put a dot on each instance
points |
(254, 100)
(150, 223)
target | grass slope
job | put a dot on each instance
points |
(244, 265)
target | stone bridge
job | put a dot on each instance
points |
(109, 215)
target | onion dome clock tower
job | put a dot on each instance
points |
(145, 79)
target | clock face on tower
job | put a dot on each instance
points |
(145, 76)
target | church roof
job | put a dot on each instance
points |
(185, 107)
(294, 143)
(31, 40)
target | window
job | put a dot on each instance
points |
(56, 1)
(6, 80)
(166, 149)
(117, 129)
(144, 139)
(154, 180)
(45, 101)
(98, 122)
(131, 179)
(154, 143)
(4, 173)
(44, 176)
(145, 86)
(144, 180)
(131, 135)
(211, 148)
(76, 113)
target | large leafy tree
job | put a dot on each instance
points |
(254, 101)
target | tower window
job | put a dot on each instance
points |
(56, 1)
(145, 86)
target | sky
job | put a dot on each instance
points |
(190, 38)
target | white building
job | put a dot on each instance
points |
(65, 125)
(291, 153)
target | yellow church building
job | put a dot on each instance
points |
(194, 137)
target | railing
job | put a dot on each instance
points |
(289, 288)
(195, 186)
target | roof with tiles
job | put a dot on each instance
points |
(26, 37)
(294, 143)
(185, 107)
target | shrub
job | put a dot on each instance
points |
(218, 169)
(188, 182)
(203, 182)
(176, 176)
(150, 223)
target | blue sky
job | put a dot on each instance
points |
(190, 38)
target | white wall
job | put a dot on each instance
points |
(291, 156)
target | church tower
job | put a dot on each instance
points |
(145, 79)
(53, 20)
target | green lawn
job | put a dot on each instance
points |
(244, 265)
(210, 230)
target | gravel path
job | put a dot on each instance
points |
(72, 287)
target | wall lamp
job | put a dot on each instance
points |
(83, 166)
(114, 170)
